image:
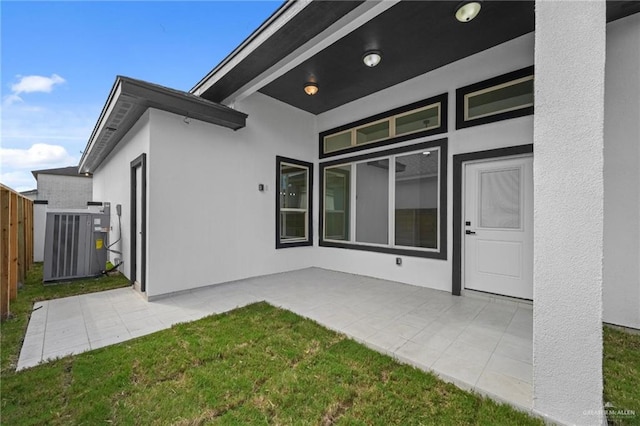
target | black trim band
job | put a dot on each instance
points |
(309, 166)
(461, 123)
(442, 99)
(141, 161)
(458, 161)
(442, 213)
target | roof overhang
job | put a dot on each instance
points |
(324, 41)
(130, 98)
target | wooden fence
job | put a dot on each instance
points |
(16, 244)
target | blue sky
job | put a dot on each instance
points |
(60, 60)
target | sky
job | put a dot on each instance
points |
(60, 60)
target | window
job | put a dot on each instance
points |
(499, 98)
(293, 203)
(424, 118)
(392, 201)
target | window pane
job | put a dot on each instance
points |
(372, 132)
(293, 225)
(337, 142)
(293, 187)
(293, 202)
(416, 203)
(498, 99)
(500, 199)
(372, 202)
(336, 203)
(420, 120)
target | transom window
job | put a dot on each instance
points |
(392, 201)
(500, 98)
(423, 118)
(293, 203)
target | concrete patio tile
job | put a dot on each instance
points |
(73, 350)
(506, 388)
(119, 331)
(417, 355)
(432, 340)
(146, 323)
(28, 362)
(386, 341)
(516, 348)
(32, 348)
(482, 338)
(467, 353)
(520, 370)
(458, 369)
(402, 329)
(360, 329)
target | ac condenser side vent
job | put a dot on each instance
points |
(75, 245)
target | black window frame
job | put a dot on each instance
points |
(441, 252)
(461, 123)
(441, 99)
(309, 241)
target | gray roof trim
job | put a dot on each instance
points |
(60, 171)
(130, 98)
(255, 39)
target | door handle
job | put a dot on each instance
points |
(469, 232)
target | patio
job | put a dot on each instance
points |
(481, 344)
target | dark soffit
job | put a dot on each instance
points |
(310, 22)
(414, 37)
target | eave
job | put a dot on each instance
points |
(130, 98)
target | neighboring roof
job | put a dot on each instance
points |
(61, 171)
(130, 98)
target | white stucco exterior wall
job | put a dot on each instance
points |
(507, 57)
(62, 192)
(621, 297)
(112, 183)
(208, 222)
(39, 226)
(568, 211)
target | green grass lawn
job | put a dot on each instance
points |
(258, 364)
(255, 365)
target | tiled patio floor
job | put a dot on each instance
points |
(479, 344)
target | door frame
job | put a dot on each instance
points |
(458, 201)
(140, 161)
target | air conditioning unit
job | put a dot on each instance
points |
(75, 244)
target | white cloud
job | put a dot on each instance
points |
(38, 156)
(36, 83)
(31, 84)
(18, 181)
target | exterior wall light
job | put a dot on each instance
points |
(372, 58)
(467, 10)
(311, 88)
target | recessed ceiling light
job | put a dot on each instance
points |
(426, 153)
(311, 88)
(372, 58)
(467, 10)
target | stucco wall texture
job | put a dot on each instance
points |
(65, 192)
(568, 211)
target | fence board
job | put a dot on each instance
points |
(16, 244)
(5, 197)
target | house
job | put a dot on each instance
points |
(63, 188)
(398, 140)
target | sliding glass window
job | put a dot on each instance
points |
(392, 201)
(293, 223)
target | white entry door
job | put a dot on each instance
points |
(498, 226)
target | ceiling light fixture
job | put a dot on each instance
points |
(311, 88)
(372, 58)
(467, 10)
